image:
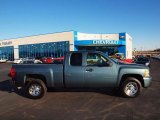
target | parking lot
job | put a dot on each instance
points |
(80, 104)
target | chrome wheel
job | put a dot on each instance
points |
(131, 89)
(35, 90)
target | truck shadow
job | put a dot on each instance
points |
(105, 91)
(6, 86)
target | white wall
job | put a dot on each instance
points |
(16, 52)
(84, 36)
(128, 46)
(55, 37)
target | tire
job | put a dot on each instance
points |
(131, 87)
(36, 89)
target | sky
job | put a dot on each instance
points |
(139, 18)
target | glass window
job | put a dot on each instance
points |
(76, 59)
(95, 59)
(7, 53)
(105, 49)
(53, 49)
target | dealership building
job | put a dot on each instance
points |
(57, 44)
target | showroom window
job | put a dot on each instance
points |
(7, 53)
(53, 49)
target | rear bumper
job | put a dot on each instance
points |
(147, 81)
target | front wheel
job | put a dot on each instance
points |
(131, 87)
(36, 89)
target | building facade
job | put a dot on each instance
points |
(57, 44)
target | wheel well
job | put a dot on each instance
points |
(29, 78)
(137, 76)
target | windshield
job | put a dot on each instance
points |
(112, 59)
(115, 60)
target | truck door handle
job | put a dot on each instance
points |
(89, 70)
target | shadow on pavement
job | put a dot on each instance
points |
(105, 91)
(6, 86)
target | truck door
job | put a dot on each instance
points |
(74, 71)
(99, 72)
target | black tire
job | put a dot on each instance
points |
(35, 89)
(131, 87)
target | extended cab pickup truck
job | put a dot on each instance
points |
(81, 69)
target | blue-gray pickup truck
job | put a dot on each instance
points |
(81, 69)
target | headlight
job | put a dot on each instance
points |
(146, 73)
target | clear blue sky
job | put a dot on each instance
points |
(139, 18)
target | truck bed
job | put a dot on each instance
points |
(53, 73)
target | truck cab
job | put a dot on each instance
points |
(84, 69)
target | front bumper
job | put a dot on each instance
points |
(147, 81)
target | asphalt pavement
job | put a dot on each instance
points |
(80, 104)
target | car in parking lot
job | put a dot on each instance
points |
(28, 60)
(121, 58)
(24, 60)
(52, 59)
(2, 60)
(17, 61)
(143, 60)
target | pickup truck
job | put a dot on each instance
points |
(81, 69)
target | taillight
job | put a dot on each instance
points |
(13, 72)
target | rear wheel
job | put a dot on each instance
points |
(36, 89)
(131, 87)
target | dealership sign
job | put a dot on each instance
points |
(115, 42)
(5, 43)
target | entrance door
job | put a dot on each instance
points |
(108, 50)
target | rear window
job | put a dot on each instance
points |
(76, 59)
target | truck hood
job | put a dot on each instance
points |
(132, 65)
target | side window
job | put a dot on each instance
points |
(94, 59)
(76, 59)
